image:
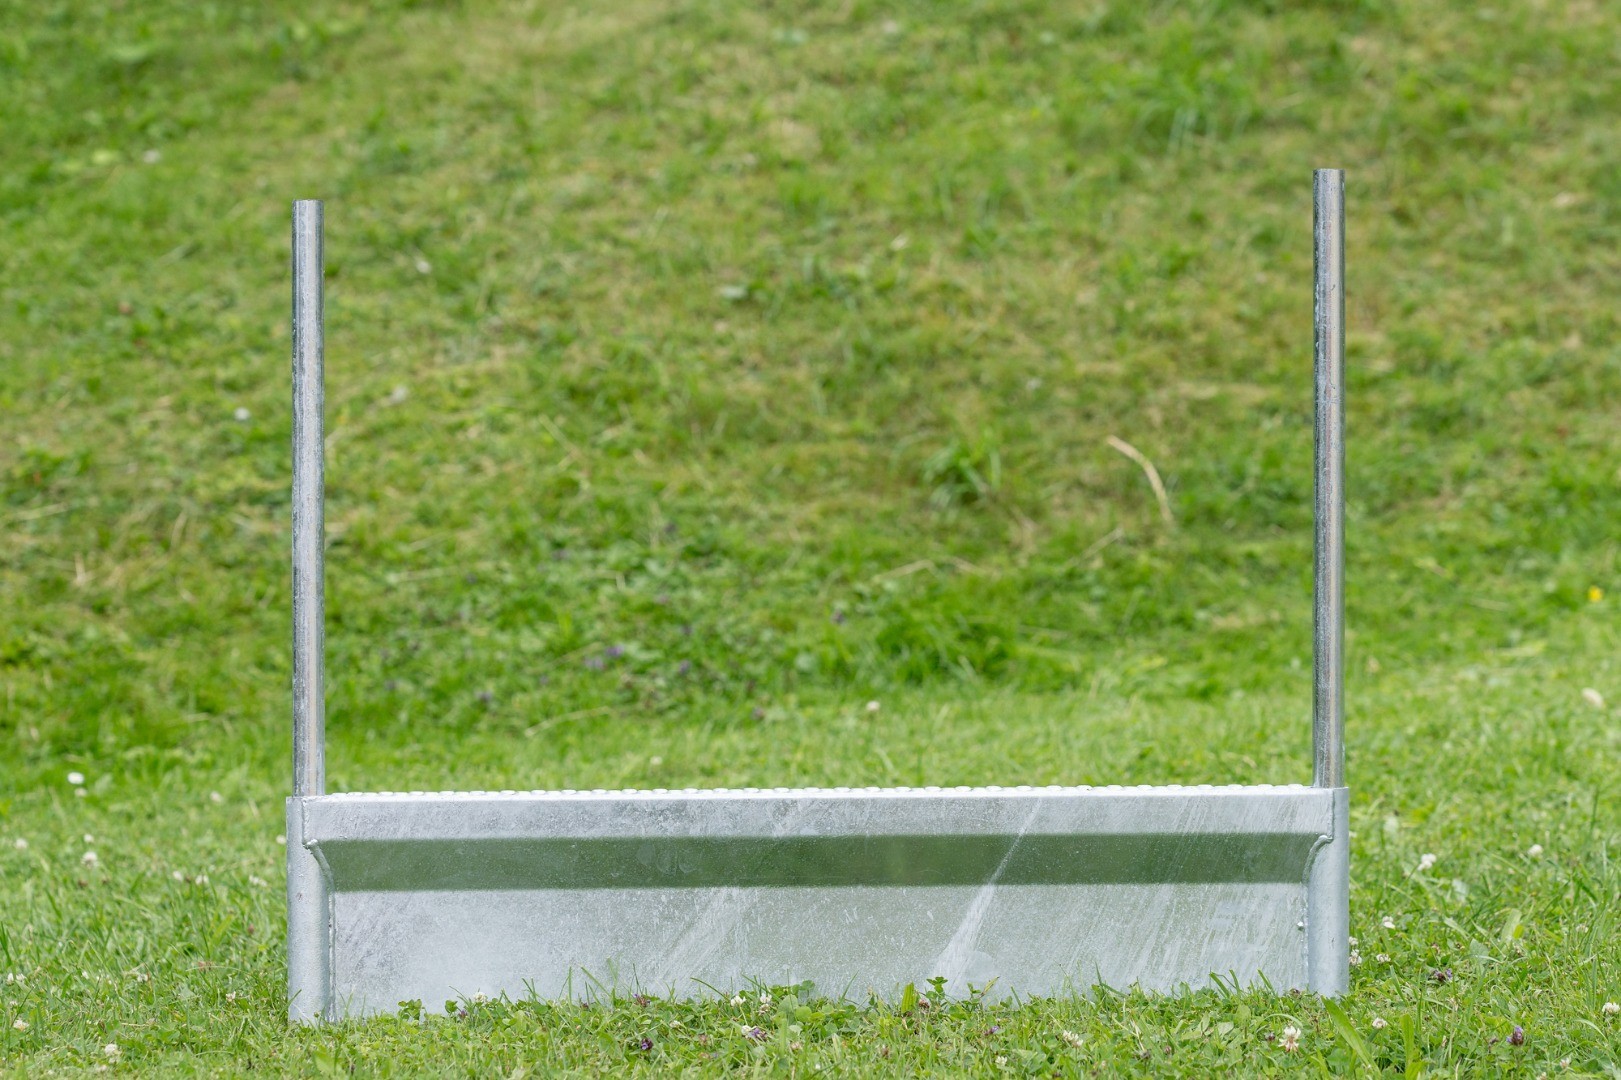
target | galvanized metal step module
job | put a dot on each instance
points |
(426, 896)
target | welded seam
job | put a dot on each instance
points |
(330, 899)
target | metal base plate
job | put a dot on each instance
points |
(1035, 891)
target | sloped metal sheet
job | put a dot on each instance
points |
(1035, 891)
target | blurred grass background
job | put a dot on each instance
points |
(699, 372)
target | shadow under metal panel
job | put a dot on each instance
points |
(1032, 890)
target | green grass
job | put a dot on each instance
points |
(699, 372)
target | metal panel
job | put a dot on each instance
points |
(1038, 891)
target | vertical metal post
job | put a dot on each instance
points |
(309, 499)
(309, 892)
(1328, 577)
(1328, 885)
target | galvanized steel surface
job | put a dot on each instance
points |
(309, 481)
(1042, 890)
(424, 897)
(1328, 572)
(309, 911)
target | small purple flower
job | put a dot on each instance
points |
(838, 617)
(662, 599)
(614, 652)
(640, 999)
(595, 663)
(560, 554)
(1441, 975)
(684, 667)
(485, 696)
(758, 714)
(993, 1029)
(754, 1033)
(646, 1044)
(1517, 1036)
(391, 686)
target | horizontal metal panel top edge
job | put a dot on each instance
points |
(988, 791)
(804, 813)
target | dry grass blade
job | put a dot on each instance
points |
(1153, 477)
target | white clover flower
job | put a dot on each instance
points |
(215, 797)
(737, 999)
(258, 882)
(75, 779)
(112, 1051)
(1072, 1038)
(1425, 861)
(1383, 958)
(88, 839)
(281, 840)
(20, 844)
(1535, 851)
(20, 1025)
(1352, 941)
(1379, 1023)
(1388, 923)
(1291, 1039)
(1611, 1008)
(200, 879)
(242, 415)
(873, 706)
(89, 858)
(1593, 697)
(1355, 958)
(765, 1000)
(1001, 1060)
(177, 875)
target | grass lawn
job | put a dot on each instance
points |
(700, 372)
